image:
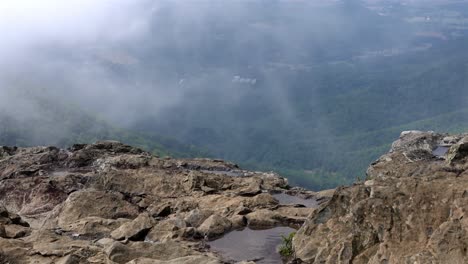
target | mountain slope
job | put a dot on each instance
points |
(62, 124)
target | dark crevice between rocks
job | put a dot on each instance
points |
(323, 215)
(249, 194)
(140, 236)
(164, 212)
(77, 147)
(357, 243)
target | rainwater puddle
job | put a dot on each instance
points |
(287, 199)
(440, 151)
(248, 244)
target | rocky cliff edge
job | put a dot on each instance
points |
(410, 209)
(111, 203)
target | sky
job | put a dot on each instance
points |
(71, 49)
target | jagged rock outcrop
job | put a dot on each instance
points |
(411, 208)
(111, 203)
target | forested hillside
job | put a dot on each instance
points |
(322, 119)
(315, 90)
(62, 124)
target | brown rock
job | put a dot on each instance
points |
(160, 209)
(121, 253)
(94, 226)
(238, 221)
(134, 230)
(263, 219)
(101, 204)
(16, 231)
(196, 217)
(68, 206)
(167, 230)
(214, 226)
(70, 259)
(264, 200)
(410, 210)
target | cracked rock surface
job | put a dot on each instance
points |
(111, 203)
(411, 208)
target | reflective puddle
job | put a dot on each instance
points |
(287, 199)
(440, 151)
(248, 244)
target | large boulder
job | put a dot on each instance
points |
(170, 229)
(134, 230)
(120, 253)
(214, 226)
(196, 217)
(411, 209)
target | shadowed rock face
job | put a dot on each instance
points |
(411, 209)
(111, 203)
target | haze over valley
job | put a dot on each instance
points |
(314, 90)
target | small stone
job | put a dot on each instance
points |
(16, 231)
